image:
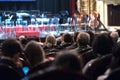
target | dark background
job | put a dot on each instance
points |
(114, 15)
(53, 6)
(14, 0)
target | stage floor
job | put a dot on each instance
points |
(39, 30)
(33, 30)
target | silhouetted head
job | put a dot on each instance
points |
(10, 47)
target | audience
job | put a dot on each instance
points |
(9, 61)
(92, 35)
(68, 61)
(50, 46)
(59, 39)
(66, 66)
(83, 40)
(23, 40)
(67, 41)
(36, 57)
(78, 56)
(102, 46)
(34, 53)
(113, 72)
(50, 43)
(114, 35)
(74, 45)
(84, 50)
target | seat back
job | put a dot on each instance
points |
(8, 73)
(87, 56)
(114, 75)
(56, 74)
(96, 67)
(40, 66)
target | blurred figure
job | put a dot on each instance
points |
(63, 16)
(67, 61)
(94, 20)
(23, 40)
(82, 40)
(66, 66)
(84, 50)
(34, 53)
(50, 46)
(74, 45)
(114, 36)
(59, 39)
(102, 46)
(36, 57)
(75, 17)
(113, 71)
(67, 41)
(50, 42)
(92, 35)
(75, 20)
(11, 49)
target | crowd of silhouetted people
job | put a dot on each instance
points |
(78, 56)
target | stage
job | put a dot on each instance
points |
(42, 30)
(36, 30)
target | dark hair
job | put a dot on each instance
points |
(24, 41)
(67, 38)
(115, 63)
(92, 35)
(10, 47)
(34, 52)
(75, 36)
(102, 44)
(66, 60)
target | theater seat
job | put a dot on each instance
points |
(8, 73)
(55, 74)
(96, 67)
(114, 75)
(40, 66)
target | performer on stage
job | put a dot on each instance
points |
(80, 19)
(94, 20)
(75, 19)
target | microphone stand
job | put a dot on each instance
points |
(102, 24)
